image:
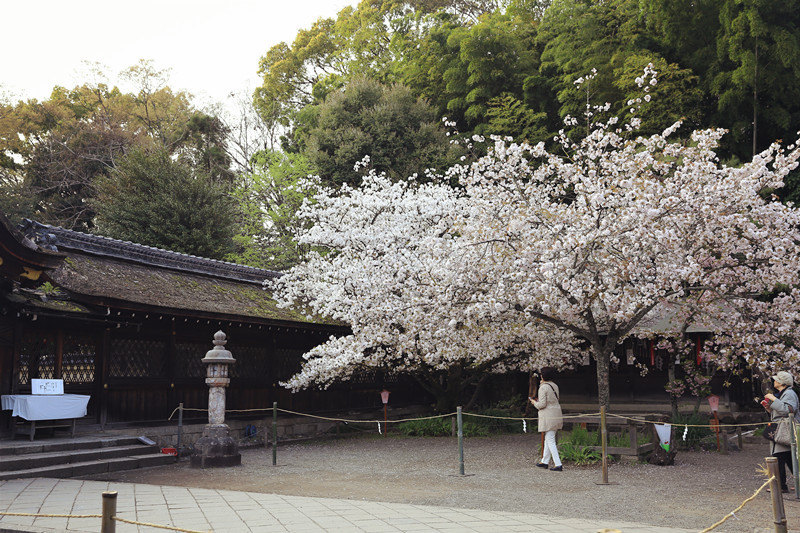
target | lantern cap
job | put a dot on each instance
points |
(218, 354)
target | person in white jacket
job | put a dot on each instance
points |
(550, 418)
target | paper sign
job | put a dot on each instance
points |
(47, 386)
(664, 431)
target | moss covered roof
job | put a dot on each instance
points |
(111, 280)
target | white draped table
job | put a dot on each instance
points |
(45, 407)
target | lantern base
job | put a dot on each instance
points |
(216, 448)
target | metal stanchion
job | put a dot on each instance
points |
(778, 512)
(274, 433)
(460, 441)
(180, 431)
(108, 525)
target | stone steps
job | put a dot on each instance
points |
(77, 457)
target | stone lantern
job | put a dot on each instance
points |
(216, 447)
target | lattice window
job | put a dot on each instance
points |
(78, 359)
(364, 377)
(252, 362)
(6, 334)
(37, 358)
(137, 358)
(188, 359)
(286, 363)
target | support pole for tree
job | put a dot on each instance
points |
(604, 444)
(778, 512)
(274, 433)
(460, 441)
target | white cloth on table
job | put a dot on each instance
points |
(45, 407)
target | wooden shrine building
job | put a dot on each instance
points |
(128, 324)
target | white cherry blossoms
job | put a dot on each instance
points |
(536, 252)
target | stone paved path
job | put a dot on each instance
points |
(231, 511)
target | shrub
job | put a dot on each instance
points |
(695, 435)
(434, 427)
(580, 455)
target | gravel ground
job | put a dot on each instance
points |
(698, 490)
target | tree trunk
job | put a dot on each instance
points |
(673, 399)
(602, 355)
(477, 391)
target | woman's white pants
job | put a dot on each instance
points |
(550, 450)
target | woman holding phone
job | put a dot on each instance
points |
(550, 418)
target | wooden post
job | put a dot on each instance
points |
(716, 430)
(108, 525)
(724, 441)
(604, 443)
(739, 438)
(180, 432)
(58, 371)
(634, 437)
(778, 512)
(105, 357)
(274, 433)
(15, 358)
(460, 442)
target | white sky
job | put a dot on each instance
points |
(211, 46)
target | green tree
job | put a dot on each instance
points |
(153, 199)
(759, 65)
(269, 200)
(400, 133)
(55, 151)
(675, 97)
(578, 36)
(509, 116)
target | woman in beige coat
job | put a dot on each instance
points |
(550, 419)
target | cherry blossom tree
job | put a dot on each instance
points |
(400, 275)
(597, 237)
(535, 252)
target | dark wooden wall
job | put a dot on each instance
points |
(142, 369)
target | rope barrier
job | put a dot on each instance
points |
(119, 519)
(733, 513)
(525, 418)
(38, 515)
(641, 421)
(148, 524)
(353, 421)
(477, 415)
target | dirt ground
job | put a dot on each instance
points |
(698, 490)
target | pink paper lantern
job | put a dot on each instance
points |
(713, 402)
(385, 396)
